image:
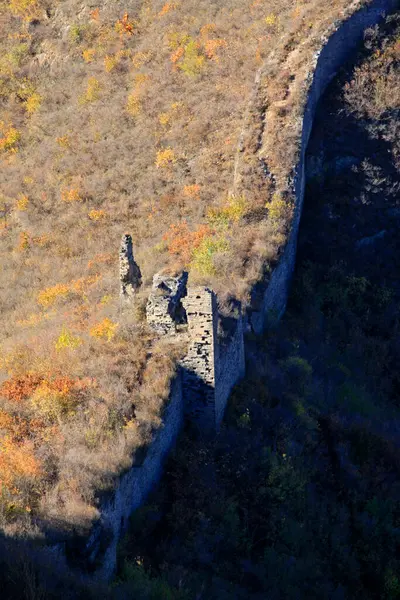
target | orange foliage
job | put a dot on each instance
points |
(101, 259)
(19, 428)
(124, 25)
(181, 242)
(175, 56)
(51, 295)
(211, 47)
(6, 421)
(192, 191)
(105, 330)
(167, 8)
(17, 461)
(23, 243)
(95, 14)
(206, 29)
(19, 388)
(71, 195)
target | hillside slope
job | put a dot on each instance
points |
(122, 117)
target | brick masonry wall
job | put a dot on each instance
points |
(230, 366)
(199, 363)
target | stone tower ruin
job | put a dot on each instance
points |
(129, 272)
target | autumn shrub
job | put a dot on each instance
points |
(202, 255)
(182, 243)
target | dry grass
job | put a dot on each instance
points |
(127, 118)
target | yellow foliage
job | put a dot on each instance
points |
(271, 20)
(63, 141)
(23, 243)
(71, 195)
(97, 215)
(164, 118)
(52, 401)
(50, 295)
(32, 103)
(165, 158)
(22, 202)
(133, 105)
(92, 92)
(25, 9)
(67, 340)
(104, 330)
(193, 61)
(186, 54)
(140, 59)
(9, 137)
(177, 106)
(110, 62)
(203, 255)
(278, 208)
(232, 212)
(88, 55)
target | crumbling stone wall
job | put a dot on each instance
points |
(230, 364)
(129, 272)
(214, 362)
(199, 363)
(164, 309)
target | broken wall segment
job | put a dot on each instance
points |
(230, 363)
(214, 363)
(199, 363)
(164, 309)
(129, 272)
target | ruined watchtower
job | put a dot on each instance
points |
(129, 272)
(215, 358)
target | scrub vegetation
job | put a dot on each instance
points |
(124, 117)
